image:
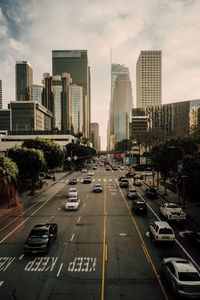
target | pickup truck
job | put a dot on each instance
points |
(171, 211)
(40, 238)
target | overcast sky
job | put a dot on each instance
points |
(31, 29)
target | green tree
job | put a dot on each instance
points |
(53, 153)
(124, 145)
(8, 181)
(30, 162)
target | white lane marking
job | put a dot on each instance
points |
(78, 219)
(1, 283)
(1, 241)
(84, 204)
(72, 237)
(104, 180)
(21, 256)
(18, 217)
(61, 265)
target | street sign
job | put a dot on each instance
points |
(75, 157)
(69, 158)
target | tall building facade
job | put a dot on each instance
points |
(121, 105)
(94, 136)
(149, 79)
(76, 108)
(24, 81)
(1, 100)
(75, 62)
(37, 91)
(47, 94)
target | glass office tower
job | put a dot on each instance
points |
(24, 81)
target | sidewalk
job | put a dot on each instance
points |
(192, 208)
(25, 198)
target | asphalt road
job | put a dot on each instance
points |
(102, 251)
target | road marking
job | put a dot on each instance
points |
(1, 283)
(182, 233)
(72, 237)
(20, 258)
(78, 219)
(104, 255)
(61, 265)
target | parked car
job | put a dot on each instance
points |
(72, 192)
(72, 203)
(132, 194)
(171, 211)
(124, 183)
(161, 231)
(72, 181)
(183, 276)
(40, 238)
(139, 206)
(97, 188)
(151, 193)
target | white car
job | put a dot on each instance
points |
(91, 174)
(72, 192)
(161, 231)
(137, 182)
(72, 203)
(183, 277)
(171, 211)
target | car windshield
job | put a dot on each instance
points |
(189, 276)
(39, 234)
(71, 200)
(172, 205)
(72, 190)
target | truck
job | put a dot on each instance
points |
(40, 238)
(171, 211)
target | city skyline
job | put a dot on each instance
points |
(30, 32)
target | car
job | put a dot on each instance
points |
(120, 178)
(97, 188)
(137, 182)
(40, 238)
(130, 174)
(139, 206)
(72, 203)
(183, 276)
(171, 211)
(84, 170)
(151, 193)
(72, 181)
(161, 231)
(94, 167)
(148, 172)
(87, 179)
(122, 167)
(132, 194)
(72, 192)
(124, 183)
(138, 176)
(91, 174)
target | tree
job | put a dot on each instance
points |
(53, 153)
(8, 180)
(124, 145)
(30, 162)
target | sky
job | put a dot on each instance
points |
(31, 29)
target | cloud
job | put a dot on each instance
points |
(30, 30)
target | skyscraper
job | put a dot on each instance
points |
(149, 78)
(1, 101)
(120, 105)
(75, 62)
(76, 108)
(24, 81)
(94, 136)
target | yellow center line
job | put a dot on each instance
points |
(104, 258)
(145, 249)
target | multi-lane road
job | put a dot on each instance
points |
(102, 251)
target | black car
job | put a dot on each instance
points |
(124, 183)
(87, 179)
(139, 206)
(130, 174)
(151, 193)
(132, 194)
(72, 181)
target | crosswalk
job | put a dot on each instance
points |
(93, 180)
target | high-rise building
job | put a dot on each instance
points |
(37, 91)
(60, 88)
(149, 78)
(47, 94)
(1, 100)
(76, 108)
(120, 105)
(24, 81)
(75, 62)
(94, 136)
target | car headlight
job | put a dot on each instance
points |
(43, 246)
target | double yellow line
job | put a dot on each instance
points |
(105, 248)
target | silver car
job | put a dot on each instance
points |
(183, 276)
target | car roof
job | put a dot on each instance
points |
(183, 265)
(162, 224)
